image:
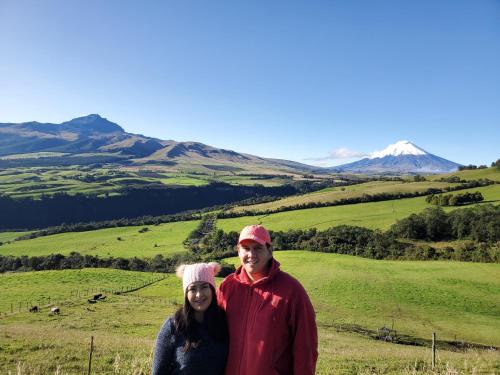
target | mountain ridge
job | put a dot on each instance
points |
(95, 134)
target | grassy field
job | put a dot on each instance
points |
(374, 215)
(167, 237)
(35, 181)
(449, 298)
(474, 174)
(337, 193)
(9, 236)
(60, 285)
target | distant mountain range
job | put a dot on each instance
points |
(90, 136)
(86, 139)
(400, 157)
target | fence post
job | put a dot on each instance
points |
(90, 354)
(433, 350)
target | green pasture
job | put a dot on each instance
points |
(33, 155)
(9, 236)
(35, 181)
(373, 215)
(252, 180)
(184, 181)
(37, 286)
(343, 192)
(455, 300)
(126, 242)
(491, 173)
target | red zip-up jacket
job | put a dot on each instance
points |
(272, 326)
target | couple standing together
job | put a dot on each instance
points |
(259, 322)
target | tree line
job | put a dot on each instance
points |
(365, 198)
(472, 166)
(30, 213)
(454, 199)
(188, 215)
(75, 260)
(479, 225)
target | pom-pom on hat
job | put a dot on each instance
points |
(191, 273)
(256, 233)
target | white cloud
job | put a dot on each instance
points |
(340, 153)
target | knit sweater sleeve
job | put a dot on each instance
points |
(164, 349)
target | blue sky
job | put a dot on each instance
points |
(296, 80)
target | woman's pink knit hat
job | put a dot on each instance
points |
(191, 273)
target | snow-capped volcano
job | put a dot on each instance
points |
(399, 158)
(399, 148)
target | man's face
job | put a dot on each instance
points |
(254, 258)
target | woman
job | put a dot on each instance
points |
(195, 339)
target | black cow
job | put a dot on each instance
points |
(34, 309)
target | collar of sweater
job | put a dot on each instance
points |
(242, 276)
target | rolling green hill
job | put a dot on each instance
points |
(353, 191)
(105, 243)
(491, 173)
(169, 237)
(453, 299)
(59, 285)
(35, 181)
(9, 236)
(373, 215)
(456, 300)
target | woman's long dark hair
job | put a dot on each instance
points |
(214, 318)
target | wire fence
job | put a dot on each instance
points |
(45, 302)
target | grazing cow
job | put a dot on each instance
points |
(34, 309)
(91, 301)
(97, 296)
(54, 311)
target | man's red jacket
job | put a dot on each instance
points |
(272, 327)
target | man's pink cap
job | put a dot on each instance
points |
(255, 232)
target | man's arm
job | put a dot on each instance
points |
(305, 339)
(221, 297)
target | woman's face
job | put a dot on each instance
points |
(199, 295)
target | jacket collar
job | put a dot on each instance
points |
(242, 276)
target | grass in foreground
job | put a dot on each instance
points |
(446, 297)
(36, 287)
(454, 299)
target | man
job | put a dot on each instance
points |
(272, 327)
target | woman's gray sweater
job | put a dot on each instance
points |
(208, 358)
